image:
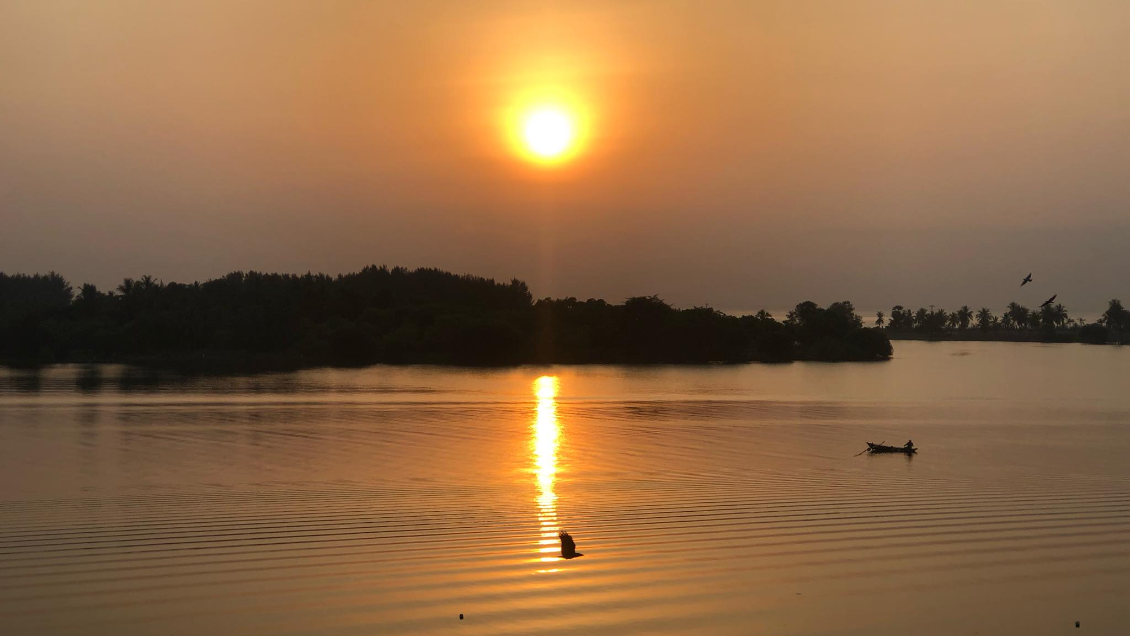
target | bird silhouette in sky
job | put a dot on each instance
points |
(568, 546)
(1049, 301)
(1027, 279)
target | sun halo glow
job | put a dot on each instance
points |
(547, 131)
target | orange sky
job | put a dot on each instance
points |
(741, 154)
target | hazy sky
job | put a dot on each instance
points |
(741, 154)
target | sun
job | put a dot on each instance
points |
(547, 129)
(548, 132)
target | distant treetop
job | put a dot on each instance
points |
(396, 315)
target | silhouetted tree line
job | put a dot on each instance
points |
(398, 316)
(1052, 322)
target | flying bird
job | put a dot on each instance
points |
(1027, 279)
(568, 546)
(1049, 301)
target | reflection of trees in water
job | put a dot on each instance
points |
(140, 379)
(89, 379)
(27, 380)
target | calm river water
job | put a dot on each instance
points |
(721, 499)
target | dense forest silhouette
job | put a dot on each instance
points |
(396, 315)
(1049, 323)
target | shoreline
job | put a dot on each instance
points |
(1058, 337)
(977, 336)
(222, 363)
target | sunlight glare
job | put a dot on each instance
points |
(545, 442)
(548, 132)
(545, 387)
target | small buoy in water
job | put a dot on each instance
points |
(461, 618)
(1076, 623)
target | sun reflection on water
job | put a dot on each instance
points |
(546, 434)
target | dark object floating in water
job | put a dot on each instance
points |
(909, 449)
(460, 617)
(1077, 623)
(568, 546)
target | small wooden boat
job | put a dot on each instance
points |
(881, 448)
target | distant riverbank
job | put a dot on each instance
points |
(1048, 323)
(258, 321)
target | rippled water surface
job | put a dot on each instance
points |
(723, 499)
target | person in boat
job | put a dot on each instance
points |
(909, 444)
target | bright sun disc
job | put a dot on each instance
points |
(548, 132)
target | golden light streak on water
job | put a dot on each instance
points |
(546, 434)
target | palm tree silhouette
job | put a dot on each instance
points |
(1116, 317)
(964, 317)
(920, 318)
(1018, 315)
(1059, 315)
(1006, 321)
(126, 287)
(984, 319)
(879, 319)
